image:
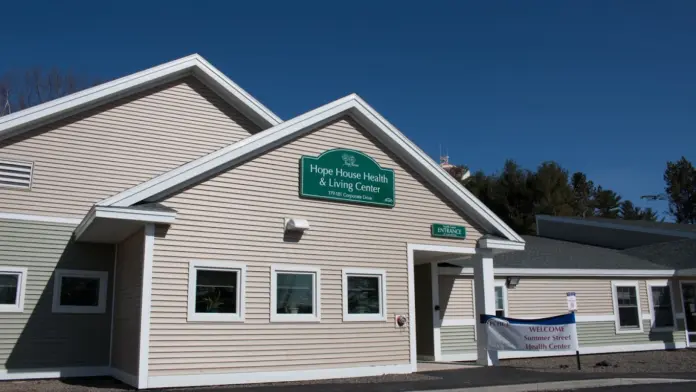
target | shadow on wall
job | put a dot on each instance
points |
(47, 340)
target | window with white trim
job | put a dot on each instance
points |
(79, 291)
(216, 291)
(13, 282)
(295, 293)
(627, 314)
(661, 309)
(364, 294)
(16, 174)
(500, 299)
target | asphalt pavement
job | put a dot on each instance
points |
(676, 387)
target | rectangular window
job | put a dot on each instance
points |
(12, 287)
(364, 295)
(216, 291)
(627, 307)
(500, 299)
(660, 299)
(15, 174)
(77, 291)
(295, 293)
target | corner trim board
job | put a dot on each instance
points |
(203, 379)
(146, 304)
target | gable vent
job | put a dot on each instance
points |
(15, 174)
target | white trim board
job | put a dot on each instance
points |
(61, 372)
(130, 214)
(39, 218)
(205, 379)
(352, 105)
(616, 225)
(531, 272)
(195, 65)
(146, 305)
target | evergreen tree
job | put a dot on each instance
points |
(680, 189)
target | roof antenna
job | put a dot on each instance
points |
(444, 160)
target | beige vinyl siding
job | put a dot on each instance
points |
(125, 352)
(456, 297)
(603, 333)
(38, 338)
(91, 156)
(424, 309)
(238, 216)
(547, 296)
(460, 339)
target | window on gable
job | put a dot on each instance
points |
(216, 291)
(295, 293)
(16, 174)
(364, 295)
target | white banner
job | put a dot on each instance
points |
(548, 334)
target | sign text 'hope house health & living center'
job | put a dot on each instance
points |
(346, 175)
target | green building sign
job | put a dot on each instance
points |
(447, 231)
(346, 175)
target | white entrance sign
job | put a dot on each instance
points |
(572, 301)
(557, 333)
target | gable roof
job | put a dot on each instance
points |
(662, 228)
(547, 253)
(195, 65)
(352, 105)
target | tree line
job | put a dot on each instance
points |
(517, 194)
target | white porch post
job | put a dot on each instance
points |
(435, 295)
(484, 288)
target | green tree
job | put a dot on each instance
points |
(583, 195)
(606, 203)
(680, 189)
(552, 195)
(629, 211)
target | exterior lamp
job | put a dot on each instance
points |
(512, 281)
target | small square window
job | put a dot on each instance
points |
(364, 295)
(79, 291)
(216, 291)
(12, 288)
(295, 293)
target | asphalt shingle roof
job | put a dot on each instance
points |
(679, 254)
(550, 253)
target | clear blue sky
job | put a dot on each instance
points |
(608, 88)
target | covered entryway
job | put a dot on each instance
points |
(426, 260)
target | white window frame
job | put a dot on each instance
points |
(18, 306)
(382, 275)
(614, 296)
(58, 276)
(661, 283)
(316, 298)
(216, 265)
(502, 283)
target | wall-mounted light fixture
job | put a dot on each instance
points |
(294, 224)
(512, 281)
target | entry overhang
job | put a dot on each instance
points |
(112, 225)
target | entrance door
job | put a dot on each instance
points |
(689, 296)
